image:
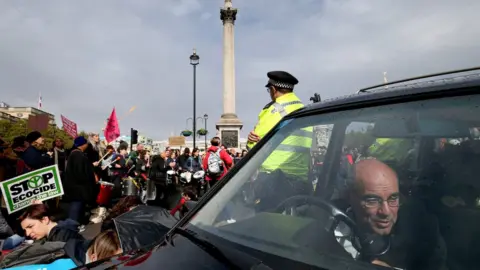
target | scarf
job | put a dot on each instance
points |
(56, 151)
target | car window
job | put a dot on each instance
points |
(384, 192)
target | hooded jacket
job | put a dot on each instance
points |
(224, 156)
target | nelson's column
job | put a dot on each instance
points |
(229, 125)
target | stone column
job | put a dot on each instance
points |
(228, 61)
(229, 125)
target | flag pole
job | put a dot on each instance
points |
(385, 78)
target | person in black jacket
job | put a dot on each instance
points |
(182, 159)
(35, 156)
(158, 173)
(38, 225)
(79, 184)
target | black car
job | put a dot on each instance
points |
(398, 187)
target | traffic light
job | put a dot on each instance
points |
(133, 136)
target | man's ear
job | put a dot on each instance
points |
(273, 90)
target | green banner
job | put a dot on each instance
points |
(42, 184)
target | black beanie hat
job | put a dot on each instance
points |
(18, 141)
(33, 136)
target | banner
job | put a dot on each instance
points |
(38, 122)
(112, 130)
(42, 184)
(69, 127)
(176, 141)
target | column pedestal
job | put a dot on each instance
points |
(229, 128)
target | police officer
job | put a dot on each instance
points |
(280, 88)
(292, 156)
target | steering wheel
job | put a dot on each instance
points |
(337, 214)
(368, 244)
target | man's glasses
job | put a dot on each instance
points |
(376, 202)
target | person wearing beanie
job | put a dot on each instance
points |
(35, 137)
(79, 184)
(19, 144)
(34, 156)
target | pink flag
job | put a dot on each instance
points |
(69, 127)
(112, 130)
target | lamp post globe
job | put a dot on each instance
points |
(194, 58)
(205, 117)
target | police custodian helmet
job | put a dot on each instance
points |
(281, 79)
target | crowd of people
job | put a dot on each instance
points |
(95, 177)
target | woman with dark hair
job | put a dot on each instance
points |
(125, 204)
(119, 170)
(194, 163)
(38, 224)
(182, 159)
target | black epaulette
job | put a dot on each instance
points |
(268, 105)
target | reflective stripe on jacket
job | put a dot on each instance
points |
(292, 156)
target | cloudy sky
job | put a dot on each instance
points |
(85, 57)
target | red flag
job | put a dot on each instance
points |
(112, 130)
(69, 126)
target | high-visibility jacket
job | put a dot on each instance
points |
(392, 149)
(292, 156)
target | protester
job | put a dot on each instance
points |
(105, 245)
(187, 195)
(158, 174)
(216, 162)
(35, 156)
(79, 184)
(194, 162)
(38, 224)
(182, 159)
(59, 155)
(124, 205)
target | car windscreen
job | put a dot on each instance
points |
(397, 185)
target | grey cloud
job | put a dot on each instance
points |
(88, 56)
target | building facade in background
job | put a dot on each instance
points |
(24, 112)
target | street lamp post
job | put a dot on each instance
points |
(205, 117)
(194, 61)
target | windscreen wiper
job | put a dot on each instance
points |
(248, 262)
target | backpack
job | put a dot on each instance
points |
(215, 166)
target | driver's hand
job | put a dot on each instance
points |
(378, 262)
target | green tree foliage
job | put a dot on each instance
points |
(359, 138)
(10, 130)
(83, 133)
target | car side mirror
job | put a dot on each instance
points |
(316, 98)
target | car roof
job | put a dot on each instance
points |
(409, 87)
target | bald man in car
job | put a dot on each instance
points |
(382, 214)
